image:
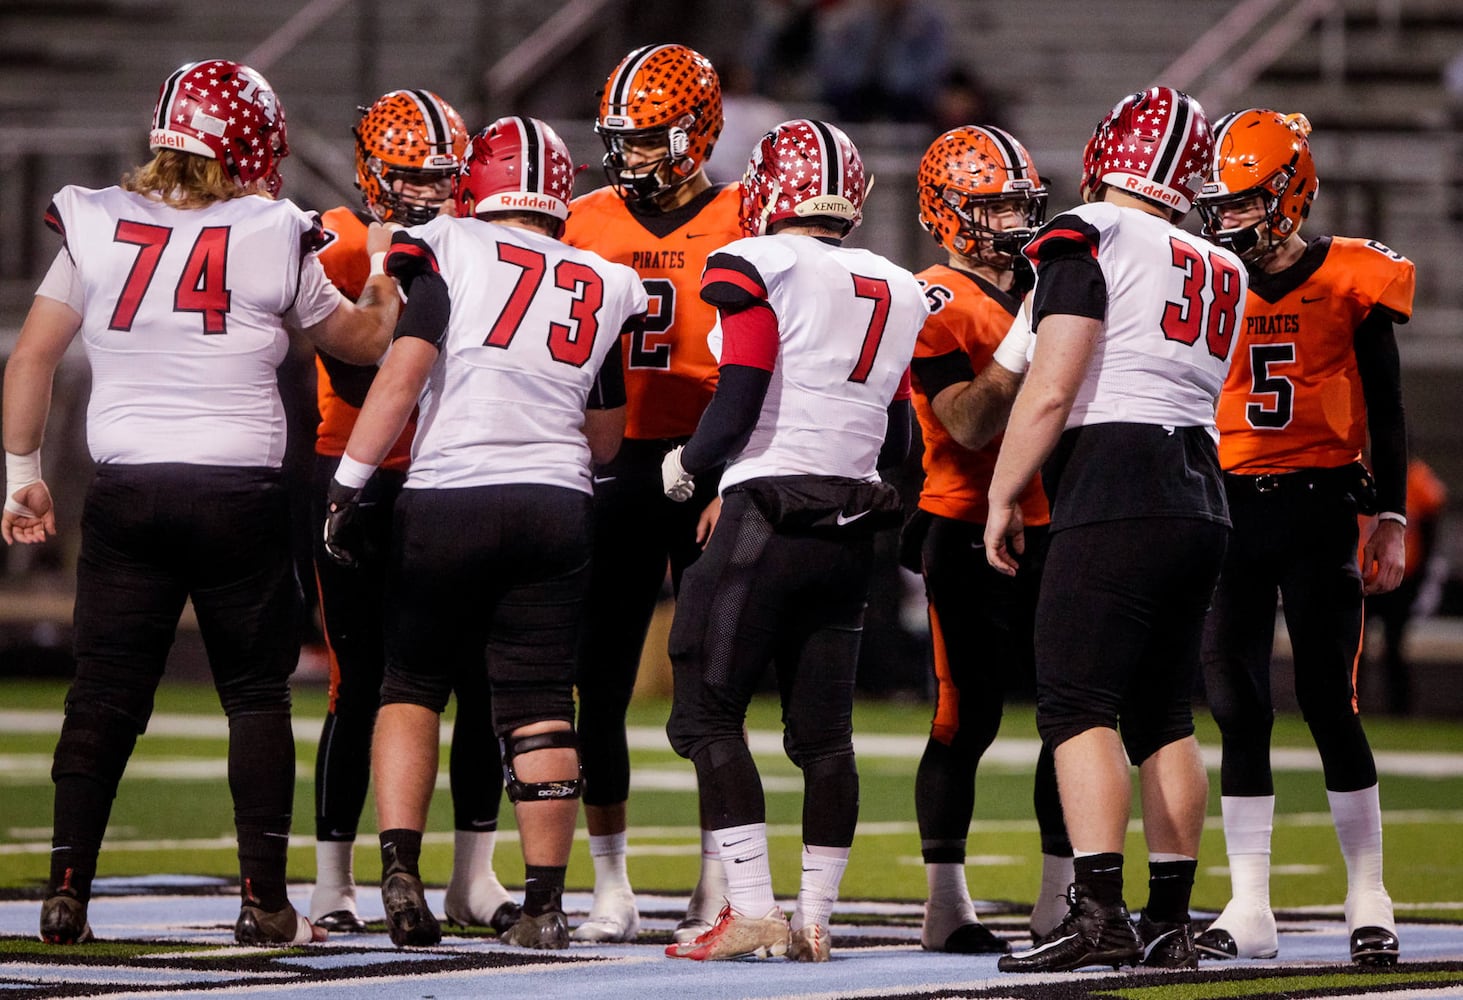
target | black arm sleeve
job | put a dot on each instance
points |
(608, 390)
(427, 310)
(729, 418)
(1381, 385)
(935, 375)
(1069, 286)
(349, 382)
(898, 434)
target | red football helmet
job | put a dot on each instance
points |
(516, 165)
(665, 96)
(803, 168)
(965, 175)
(227, 112)
(1155, 144)
(1264, 156)
(412, 136)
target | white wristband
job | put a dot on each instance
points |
(1388, 515)
(1011, 351)
(20, 471)
(353, 474)
(378, 263)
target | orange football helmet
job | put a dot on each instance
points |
(964, 175)
(665, 96)
(1261, 154)
(412, 136)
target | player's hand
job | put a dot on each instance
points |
(674, 478)
(30, 515)
(706, 523)
(1383, 558)
(344, 537)
(378, 236)
(1004, 537)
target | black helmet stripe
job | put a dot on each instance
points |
(832, 159)
(1015, 164)
(620, 86)
(1173, 143)
(533, 155)
(439, 134)
(170, 90)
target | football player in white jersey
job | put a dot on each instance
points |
(814, 342)
(1135, 321)
(509, 344)
(181, 283)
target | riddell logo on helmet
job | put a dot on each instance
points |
(1150, 190)
(171, 140)
(529, 202)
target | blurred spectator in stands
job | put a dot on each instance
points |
(963, 98)
(777, 48)
(1418, 593)
(748, 116)
(1453, 89)
(882, 60)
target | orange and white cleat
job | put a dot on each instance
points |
(735, 935)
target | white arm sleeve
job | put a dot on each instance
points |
(1013, 352)
(62, 283)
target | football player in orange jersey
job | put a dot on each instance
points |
(659, 116)
(981, 198)
(409, 144)
(1315, 374)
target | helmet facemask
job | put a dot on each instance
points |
(649, 178)
(977, 239)
(1257, 240)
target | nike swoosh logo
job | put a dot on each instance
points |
(1148, 948)
(846, 519)
(742, 861)
(1307, 301)
(482, 824)
(342, 834)
(696, 236)
(977, 545)
(602, 479)
(736, 843)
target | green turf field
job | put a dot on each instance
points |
(172, 813)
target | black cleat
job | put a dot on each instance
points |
(266, 928)
(63, 920)
(341, 922)
(549, 929)
(504, 917)
(1166, 945)
(1090, 934)
(975, 939)
(1374, 946)
(408, 918)
(1216, 943)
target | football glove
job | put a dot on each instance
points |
(677, 482)
(345, 540)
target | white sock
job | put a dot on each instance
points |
(947, 887)
(1051, 901)
(823, 869)
(472, 856)
(1248, 823)
(1358, 819)
(335, 887)
(743, 852)
(608, 853)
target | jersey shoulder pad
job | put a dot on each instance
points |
(1382, 275)
(1078, 232)
(409, 257)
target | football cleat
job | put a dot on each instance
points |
(1092, 933)
(63, 920)
(549, 929)
(1374, 946)
(409, 919)
(1166, 945)
(959, 933)
(702, 910)
(341, 922)
(287, 926)
(493, 908)
(811, 943)
(737, 936)
(613, 919)
(1241, 931)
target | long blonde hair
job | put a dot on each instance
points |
(185, 180)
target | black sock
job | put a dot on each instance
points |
(1101, 875)
(1169, 885)
(543, 888)
(91, 754)
(401, 851)
(262, 783)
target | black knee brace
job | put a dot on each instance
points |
(537, 791)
